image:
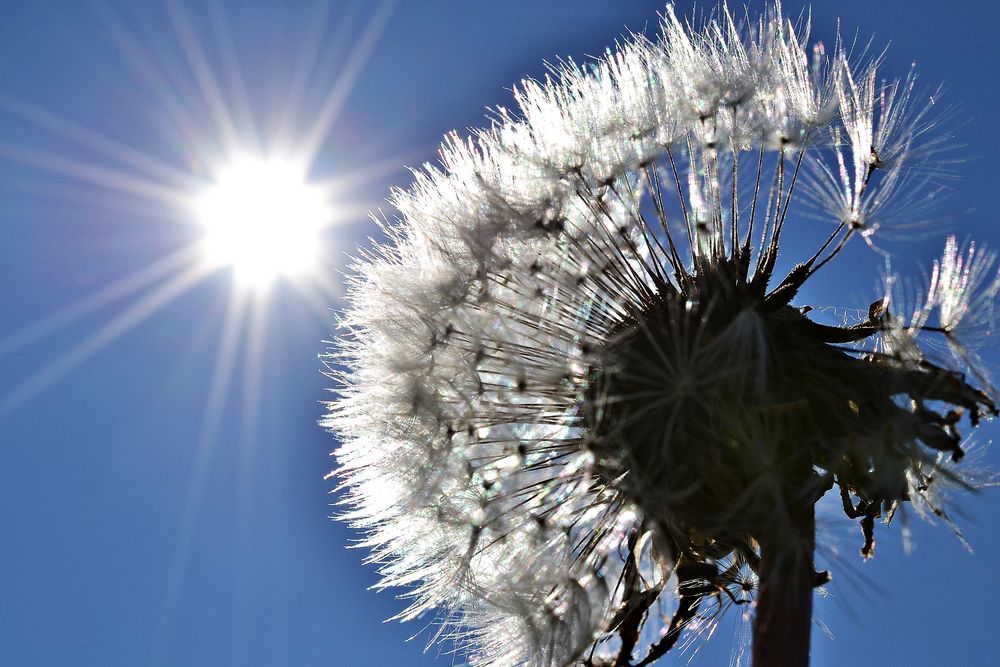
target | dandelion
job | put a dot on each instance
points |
(581, 415)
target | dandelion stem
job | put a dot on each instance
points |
(783, 617)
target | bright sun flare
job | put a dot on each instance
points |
(262, 219)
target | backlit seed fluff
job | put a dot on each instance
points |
(574, 394)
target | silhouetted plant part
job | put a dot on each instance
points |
(581, 417)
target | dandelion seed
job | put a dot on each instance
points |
(581, 417)
(962, 291)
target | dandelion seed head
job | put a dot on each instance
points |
(577, 396)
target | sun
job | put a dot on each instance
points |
(262, 219)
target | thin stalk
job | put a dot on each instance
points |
(783, 618)
(684, 211)
(734, 215)
(654, 183)
(748, 243)
(762, 258)
(840, 246)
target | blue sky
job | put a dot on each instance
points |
(163, 500)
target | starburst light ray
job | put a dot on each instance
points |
(250, 205)
(112, 330)
(111, 293)
(208, 442)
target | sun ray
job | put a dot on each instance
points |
(318, 296)
(346, 79)
(96, 199)
(205, 80)
(142, 63)
(86, 172)
(123, 154)
(208, 441)
(232, 73)
(105, 296)
(251, 400)
(104, 336)
(250, 443)
(375, 172)
(304, 67)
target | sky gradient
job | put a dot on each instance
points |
(163, 498)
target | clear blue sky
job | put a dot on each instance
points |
(153, 514)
